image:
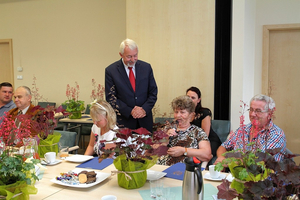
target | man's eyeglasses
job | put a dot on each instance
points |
(257, 111)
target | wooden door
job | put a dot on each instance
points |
(281, 78)
(6, 61)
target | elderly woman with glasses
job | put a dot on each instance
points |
(104, 118)
(262, 131)
(186, 140)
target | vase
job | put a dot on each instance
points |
(131, 174)
(30, 148)
(75, 115)
(2, 145)
(50, 144)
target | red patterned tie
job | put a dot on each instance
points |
(131, 78)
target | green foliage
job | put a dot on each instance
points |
(14, 168)
(259, 176)
(74, 105)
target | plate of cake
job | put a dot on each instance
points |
(79, 178)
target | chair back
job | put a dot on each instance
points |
(221, 128)
(163, 120)
(87, 110)
(68, 138)
(45, 104)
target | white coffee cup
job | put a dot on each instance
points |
(213, 173)
(50, 157)
(109, 197)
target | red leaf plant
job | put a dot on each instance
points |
(138, 144)
(257, 174)
(44, 122)
(10, 133)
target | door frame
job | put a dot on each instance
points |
(9, 42)
(266, 86)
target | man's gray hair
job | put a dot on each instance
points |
(270, 103)
(28, 91)
(129, 43)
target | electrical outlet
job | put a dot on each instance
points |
(19, 77)
(20, 69)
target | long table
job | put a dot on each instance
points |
(85, 119)
(48, 190)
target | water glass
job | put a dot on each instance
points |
(156, 188)
(2, 146)
(63, 152)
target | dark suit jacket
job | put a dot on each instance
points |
(123, 98)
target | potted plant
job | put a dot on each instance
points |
(97, 91)
(17, 171)
(44, 123)
(136, 152)
(74, 106)
(257, 175)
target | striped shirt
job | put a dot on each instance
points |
(270, 138)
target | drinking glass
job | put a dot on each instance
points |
(63, 152)
(2, 146)
(156, 188)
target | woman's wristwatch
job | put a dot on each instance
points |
(185, 153)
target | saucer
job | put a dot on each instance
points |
(43, 162)
(207, 176)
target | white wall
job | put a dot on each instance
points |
(249, 16)
(63, 41)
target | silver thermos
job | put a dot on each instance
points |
(192, 185)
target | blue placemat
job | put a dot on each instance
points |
(94, 164)
(176, 192)
(85, 116)
(175, 171)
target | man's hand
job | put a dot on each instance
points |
(219, 159)
(138, 112)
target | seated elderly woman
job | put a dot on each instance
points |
(185, 140)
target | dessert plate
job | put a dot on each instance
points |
(43, 162)
(154, 175)
(207, 176)
(78, 158)
(101, 176)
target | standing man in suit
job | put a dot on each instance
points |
(130, 88)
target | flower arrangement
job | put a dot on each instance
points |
(35, 92)
(10, 132)
(136, 151)
(44, 123)
(139, 144)
(73, 105)
(257, 175)
(17, 171)
(98, 91)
